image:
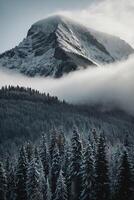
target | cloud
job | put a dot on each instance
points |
(111, 16)
(111, 85)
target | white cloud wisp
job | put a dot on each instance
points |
(111, 85)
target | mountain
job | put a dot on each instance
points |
(25, 114)
(57, 45)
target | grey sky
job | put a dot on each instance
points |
(16, 16)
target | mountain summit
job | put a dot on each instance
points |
(57, 45)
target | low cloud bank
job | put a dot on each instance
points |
(111, 85)
(110, 16)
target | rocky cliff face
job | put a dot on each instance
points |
(56, 46)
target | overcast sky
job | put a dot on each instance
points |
(16, 16)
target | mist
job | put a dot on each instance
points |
(109, 85)
(110, 16)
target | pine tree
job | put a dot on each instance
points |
(102, 172)
(10, 181)
(52, 143)
(93, 138)
(3, 182)
(11, 185)
(61, 189)
(38, 161)
(21, 175)
(66, 169)
(34, 181)
(75, 166)
(44, 155)
(87, 173)
(55, 170)
(29, 151)
(115, 157)
(8, 169)
(46, 189)
(124, 189)
(61, 143)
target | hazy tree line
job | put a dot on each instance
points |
(68, 169)
(25, 114)
(11, 92)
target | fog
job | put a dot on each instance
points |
(111, 16)
(110, 85)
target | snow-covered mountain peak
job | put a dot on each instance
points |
(47, 25)
(58, 45)
(52, 20)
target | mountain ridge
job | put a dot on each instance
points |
(57, 45)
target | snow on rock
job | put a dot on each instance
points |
(57, 45)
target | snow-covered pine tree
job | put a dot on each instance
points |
(29, 151)
(46, 191)
(11, 185)
(34, 181)
(114, 163)
(102, 171)
(61, 188)
(66, 160)
(38, 162)
(3, 182)
(55, 170)
(93, 139)
(38, 159)
(87, 173)
(7, 170)
(10, 181)
(129, 148)
(61, 142)
(21, 175)
(75, 165)
(66, 169)
(52, 143)
(44, 155)
(125, 185)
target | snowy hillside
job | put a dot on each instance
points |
(57, 45)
